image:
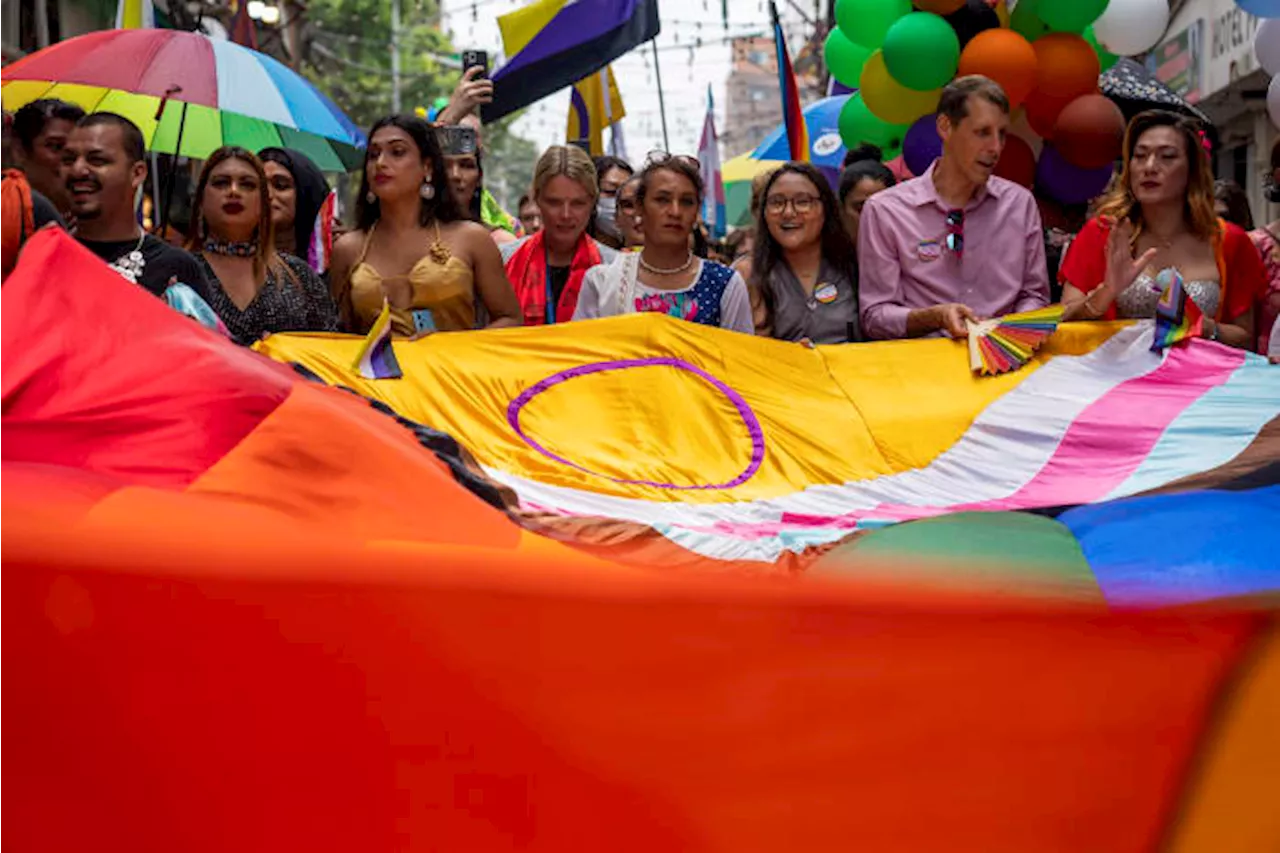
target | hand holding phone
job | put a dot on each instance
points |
(476, 59)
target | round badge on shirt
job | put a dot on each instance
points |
(825, 293)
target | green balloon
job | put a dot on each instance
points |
(844, 58)
(865, 22)
(1026, 22)
(1071, 16)
(1106, 58)
(858, 126)
(921, 51)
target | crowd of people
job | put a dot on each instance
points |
(873, 258)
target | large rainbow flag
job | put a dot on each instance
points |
(261, 603)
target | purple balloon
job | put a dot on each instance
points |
(922, 145)
(1066, 183)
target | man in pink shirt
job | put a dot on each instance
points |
(955, 243)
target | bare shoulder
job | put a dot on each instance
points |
(742, 267)
(347, 247)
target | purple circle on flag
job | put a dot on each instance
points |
(749, 419)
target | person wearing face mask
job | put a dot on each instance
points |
(547, 269)
(1267, 241)
(254, 288)
(1160, 216)
(665, 276)
(298, 192)
(611, 173)
(803, 275)
(957, 243)
(413, 248)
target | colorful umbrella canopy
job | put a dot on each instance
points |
(234, 95)
(737, 174)
(826, 148)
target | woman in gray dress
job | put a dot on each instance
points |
(803, 273)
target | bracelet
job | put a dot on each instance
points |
(1094, 313)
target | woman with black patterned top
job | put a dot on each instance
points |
(254, 288)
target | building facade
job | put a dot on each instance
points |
(1207, 57)
(753, 103)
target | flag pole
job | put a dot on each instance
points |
(662, 104)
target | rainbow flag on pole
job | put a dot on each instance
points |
(377, 358)
(709, 162)
(1177, 315)
(792, 114)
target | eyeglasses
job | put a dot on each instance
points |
(801, 203)
(955, 232)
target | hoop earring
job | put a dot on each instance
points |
(427, 191)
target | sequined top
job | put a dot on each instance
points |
(292, 299)
(1138, 301)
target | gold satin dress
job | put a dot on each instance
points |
(447, 289)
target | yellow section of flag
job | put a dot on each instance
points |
(519, 27)
(594, 106)
(135, 15)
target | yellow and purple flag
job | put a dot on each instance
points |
(594, 105)
(555, 43)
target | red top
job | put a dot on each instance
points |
(1241, 276)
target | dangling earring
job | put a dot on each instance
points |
(427, 191)
(370, 197)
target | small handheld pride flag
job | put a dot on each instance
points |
(377, 359)
(1177, 315)
(321, 246)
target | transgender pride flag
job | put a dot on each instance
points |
(709, 164)
(376, 359)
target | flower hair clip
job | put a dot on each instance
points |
(1204, 141)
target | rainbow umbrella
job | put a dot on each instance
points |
(227, 94)
(737, 174)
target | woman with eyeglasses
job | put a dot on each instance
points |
(803, 273)
(666, 277)
(1160, 216)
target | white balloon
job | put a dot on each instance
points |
(1128, 27)
(1273, 100)
(1266, 44)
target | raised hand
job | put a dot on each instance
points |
(467, 95)
(1122, 267)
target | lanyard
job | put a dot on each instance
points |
(550, 313)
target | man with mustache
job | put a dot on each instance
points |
(956, 243)
(103, 166)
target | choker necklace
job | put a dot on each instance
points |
(650, 268)
(234, 248)
(130, 264)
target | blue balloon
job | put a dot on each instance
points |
(922, 145)
(1061, 181)
(1261, 8)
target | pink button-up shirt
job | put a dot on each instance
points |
(903, 262)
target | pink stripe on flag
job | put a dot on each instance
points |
(1099, 450)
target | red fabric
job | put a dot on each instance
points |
(1240, 271)
(102, 376)
(527, 270)
(18, 221)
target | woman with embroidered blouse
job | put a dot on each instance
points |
(1160, 215)
(413, 248)
(254, 289)
(665, 276)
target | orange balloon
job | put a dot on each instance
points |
(1017, 162)
(939, 7)
(1042, 112)
(1005, 57)
(1089, 131)
(1066, 66)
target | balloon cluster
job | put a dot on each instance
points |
(1266, 46)
(1045, 54)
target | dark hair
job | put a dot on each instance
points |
(30, 119)
(265, 233)
(837, 248)
(135, 147)
(866, 151)
(608, 161)
(441, 207)
(681, 164)
(954, 101)
(1233, 196)
(1119, 202)
(310, 189)
(524, 199)
(854, 172)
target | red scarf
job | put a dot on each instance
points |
(16, 218)
(527, 270)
